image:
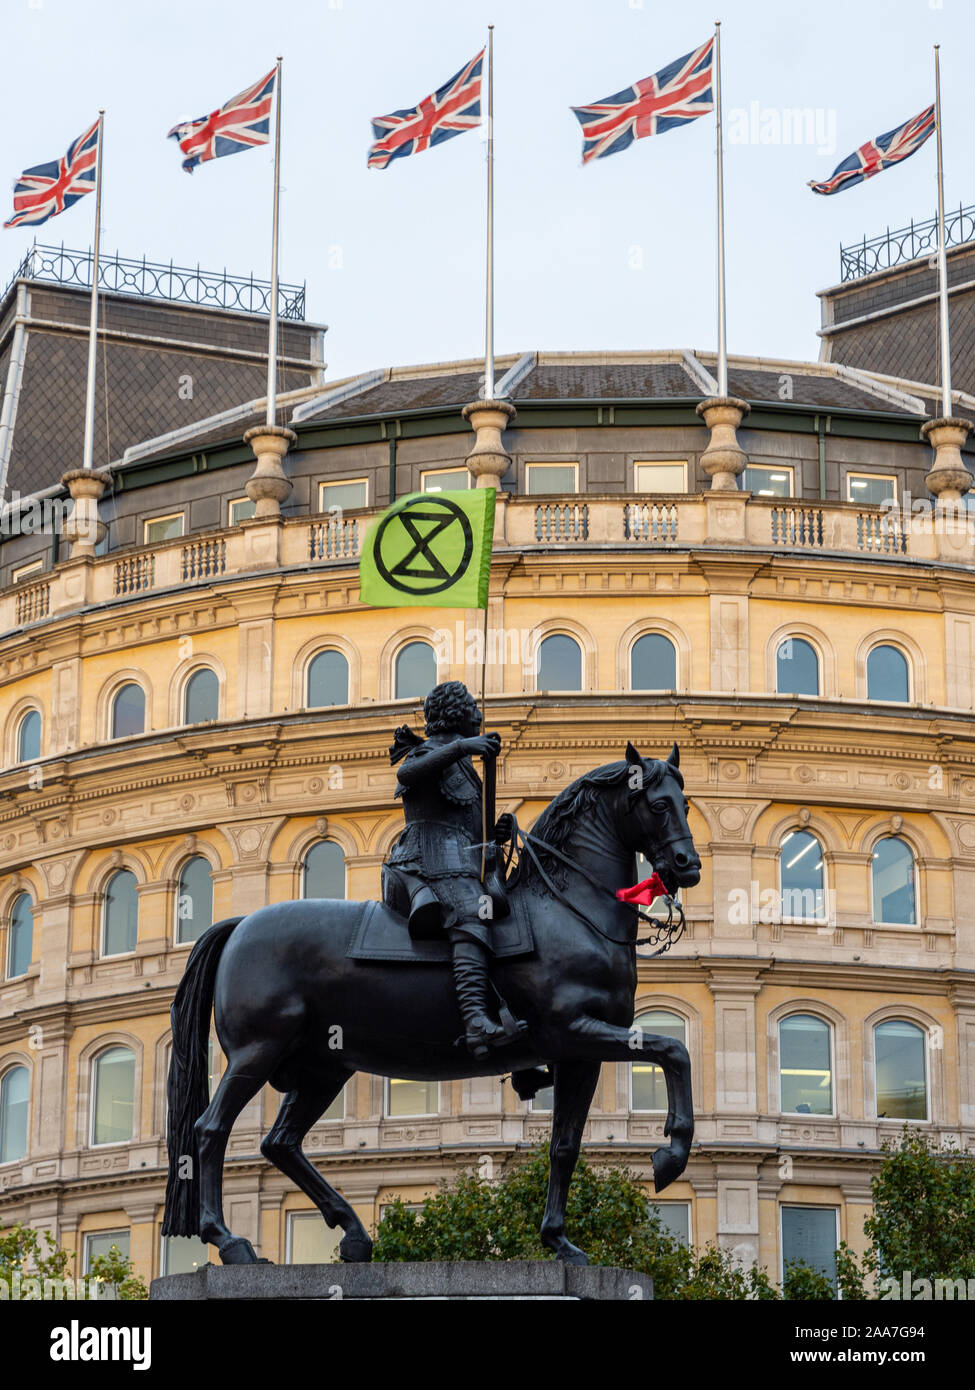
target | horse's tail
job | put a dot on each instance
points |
(188, 1086)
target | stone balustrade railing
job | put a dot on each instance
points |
(706, 520)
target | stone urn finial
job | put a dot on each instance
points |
(949, 478)
(724, 458)
(268, 486)
(83, 528)
(488, 461)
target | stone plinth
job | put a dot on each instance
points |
(269, 486)
(949, 478)
(488, 461)
(460, 1280)
(83, 528)
(724, 457)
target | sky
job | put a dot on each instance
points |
(619, 255)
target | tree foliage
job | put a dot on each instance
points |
(22, 1252)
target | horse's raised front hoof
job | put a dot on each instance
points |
(355, 1250)
(239, 1251)
(668, 1164)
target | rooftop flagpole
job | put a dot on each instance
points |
(722, 325)
(272, 344)
(489, 278)
(93, 320)
(942, 252)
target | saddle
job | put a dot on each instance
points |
(413, 898)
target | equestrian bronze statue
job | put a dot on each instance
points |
(456, 973)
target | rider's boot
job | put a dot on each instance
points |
(471, 983)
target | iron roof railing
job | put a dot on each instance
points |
(905, 244)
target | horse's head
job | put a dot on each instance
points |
(655, 818)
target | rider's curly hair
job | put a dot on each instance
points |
(447, 707)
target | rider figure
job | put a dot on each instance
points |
(440, 849)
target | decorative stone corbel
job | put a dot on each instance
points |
(268, 486)
(83, 528)
(724, 458)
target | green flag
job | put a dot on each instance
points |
(431, 549)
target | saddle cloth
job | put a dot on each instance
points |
(384, 935)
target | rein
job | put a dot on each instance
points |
(525, 841)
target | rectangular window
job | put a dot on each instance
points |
(241, 509)
(809, 1234)
(445, 480)
(766, 481)
(101, 1242)
(552, 477)
(310, 1241)
(348, 494)
(872, 489)
(27, 571)
(411, 1097)
(543, 1100)
(675, 1219)
(336, 1109)
(183, 1254)
(163, 528)
(660, 477)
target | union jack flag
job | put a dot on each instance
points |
(878, 154)
(676, 94)
(48, 189)
(241, 123)
(453, 108)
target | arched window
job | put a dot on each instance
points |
(805, 1066)
(796, 668)
(120, 928)
(113, 1096)
(559, 663)
(888, 676)
(194, 899)
(648, 1087)
(14, 1092)
(201, 698)
(20, 949)
(653, 663)
(128, 711)
(416, 671)
(29, 737)
(802, 886)
(323, 872)
(328, 679)
(894, 898)
(902, 1084)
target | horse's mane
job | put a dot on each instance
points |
(560, 817)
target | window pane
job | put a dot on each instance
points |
(901, 1074)
(416, 671)
(544, 1100)
(648, 1086)
(184, 1254)
(809, 1234)
(893, 882)
(653, 663)
(242, 510)
(21, 949)
(312, 1242)
(865, 487)
(767, 482)
(129, 711)
(801, 880)
(194, 902)
(164, 528)
(328, 680)
(551, 477)
(411, 1097)
(344, 495)
(101, 1244)
(661, 477)
(805, 1067)
(202, 697)
(796, 668)
(448, 480)
(675, 1219)
(324, 873)
(559, 664)
(114, 1083)
(14, 1092)
(29, 737)
(121, 927)
(887, 675)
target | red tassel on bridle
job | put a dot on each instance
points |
(645, 892)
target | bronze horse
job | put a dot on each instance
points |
(294, 1010)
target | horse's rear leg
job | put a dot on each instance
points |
(244, 1077)
(575, 1085)
(282, 1147)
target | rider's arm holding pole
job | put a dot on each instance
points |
(428, 762)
